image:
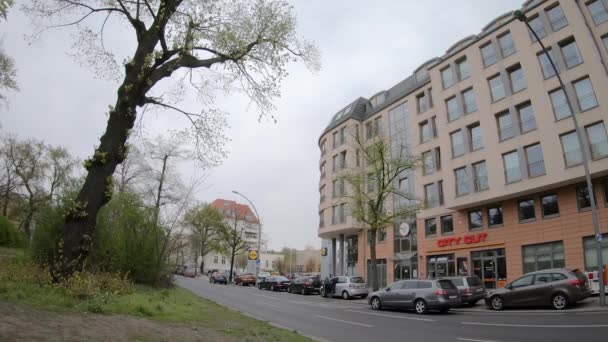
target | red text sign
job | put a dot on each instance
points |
(466, 240)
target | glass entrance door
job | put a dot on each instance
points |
(490, 267)
(489, 273)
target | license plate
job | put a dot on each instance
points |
(479, 290)
(453, 297)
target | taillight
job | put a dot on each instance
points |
(590, 275)
(576, 282)
(468, 290)
(307, 284)
(441, 292)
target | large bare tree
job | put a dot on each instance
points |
(241, 44)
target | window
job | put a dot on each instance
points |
(453, 109)
(381, 234)
(462, 181)
(549, 205)
(523, 281)
(338, 187)
(447, 224)
(589, 247)
(475, 137)
(572, 55)
(560, 104)
(440, 191)
(215, 259)
(423, 103)
(335, 214)
(447, 77)
(596, 135)
(428, 165)
(475, 220)
(527, 122)
(470, 103)
(457, 143)
(430, 227)
(534, 158)
(480, 176)
(371, 182)
(598, 11)
(342, 213)
(571, 148)
(378, 126)
(223, 260)
(323, 147)
(378, 99)
(545, 64)
(543, 256)
(538, 27)
(488, 55)
(322, 193)
(437, 158)
(369, 130)
(495, 216)
(516, 77)
(582, 197)
(463, 68)
(335, 163)
(430, 195)
(342, 160)
(322, 170)
(512, 171)
(557, 18)
(336, 141)
(584, 94)
(425, 131)
(497, 88)
(505, 125)
(507, 47)
(526, 210)
(322, 218)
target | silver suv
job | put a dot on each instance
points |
(420, 295)
(471, 288)
(345, 287)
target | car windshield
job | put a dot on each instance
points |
(474, 281)
(458, 281)
(446, 284)
(281, 278)
(357, 280)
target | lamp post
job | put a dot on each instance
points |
(521, 16)
(257, 265)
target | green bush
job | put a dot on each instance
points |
(47, 234)
(10, 235)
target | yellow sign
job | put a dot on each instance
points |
(324, 251)
(253, 255)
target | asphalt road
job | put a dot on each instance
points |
(349, 321)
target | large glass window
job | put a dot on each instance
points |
(447, 76)
(475, 219)
(335, 214)
(423, 103)
(527, 121)
(545, 63)
(572, 55)
(598, 11)
(380, 272)
(534, 158)
(453, 109)
(475, 137)
(585, 94)
(480, 176)
(543, 256)
(507, 47)
(462, 181)
(439, 266)
(488, 54)
(494, 216)
(583, 199)
(549, 205)
(428, 165)
(571, 148)
(470, 103)
(596, 135)
(589, 246)
(430, 195)
(447, 224)
(430, 227)
(526, 210)
(560, 104)
(538, 27)
(512, 170)
(425, 131)
(505, 125)
(497, 88)
(557, 18)
(457, 139)
(463, 68)
(516, 76)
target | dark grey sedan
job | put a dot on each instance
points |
(420, 295)
(555, 287)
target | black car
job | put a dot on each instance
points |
(305, 285)
(218, 278)
(275, 283)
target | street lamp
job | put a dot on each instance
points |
(521, 16)
(257, 265)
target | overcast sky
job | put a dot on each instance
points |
(366, 47)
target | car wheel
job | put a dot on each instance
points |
(420, 307)
(271, 287)
(303, 292)
(376, 304)
(559, 301)
(496, 303)
(260, 286)
(345, 295)
(322, 292)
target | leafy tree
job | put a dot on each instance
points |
(223, 43)
(369, 189)
(205, 223)
(8, 176)
(8, 74)
(232, 237)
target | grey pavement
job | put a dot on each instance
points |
(337, 320)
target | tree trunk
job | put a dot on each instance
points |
(159, 194)
(231, 264)
(7, 193)
(373, 274)
(81, 217)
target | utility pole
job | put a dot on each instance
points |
(521, 16)
(257, 263)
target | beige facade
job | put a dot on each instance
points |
(493, 130)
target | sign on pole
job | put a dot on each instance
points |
(253, 255)
(324, 251)
(257, 262)
(598, 237)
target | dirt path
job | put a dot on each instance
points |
(22, 323)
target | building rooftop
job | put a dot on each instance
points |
(229, 208)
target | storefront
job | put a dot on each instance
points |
(490, 266)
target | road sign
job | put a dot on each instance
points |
(257, 262)
(404, 229)
(253, 255)
(246, 247)
(324, 251)
(598, 237)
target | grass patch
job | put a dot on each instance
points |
(167, 305)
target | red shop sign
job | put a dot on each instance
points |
(466, 240)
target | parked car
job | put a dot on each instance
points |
(189, 272)
(218, 278)
(263, 275)
(345, 287)
(274, 283)
(558, 288)
(245, 279)
(420, 295)
(470, 288)
(305, 285)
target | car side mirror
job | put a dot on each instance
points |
(388, 289)
(509, 287)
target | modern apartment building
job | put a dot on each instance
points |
(501, 172)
